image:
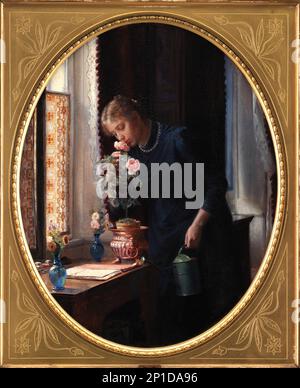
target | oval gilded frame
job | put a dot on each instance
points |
(281, 162)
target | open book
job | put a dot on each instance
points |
(91, 272)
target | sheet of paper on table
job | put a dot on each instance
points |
(81, 272)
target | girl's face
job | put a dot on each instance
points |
(125, 129)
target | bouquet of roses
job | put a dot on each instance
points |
(110, 170)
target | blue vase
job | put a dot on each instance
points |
(57, 273)
(97, 248)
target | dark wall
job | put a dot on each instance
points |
(178, 76)
(205, 95)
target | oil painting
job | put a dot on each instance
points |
(180, 112)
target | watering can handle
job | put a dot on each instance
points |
(181, 248)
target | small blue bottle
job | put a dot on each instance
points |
(57, 273)
(97, 248)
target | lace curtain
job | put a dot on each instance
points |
(263, 138)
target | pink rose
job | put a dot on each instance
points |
(95, 216)
(116, 154)
(95, 224)
(133, 166)
(121, 146)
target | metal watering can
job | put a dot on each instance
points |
(186, 273)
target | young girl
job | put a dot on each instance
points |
(206, 230)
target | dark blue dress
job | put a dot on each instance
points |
(168, 218)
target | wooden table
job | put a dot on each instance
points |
(89, 302)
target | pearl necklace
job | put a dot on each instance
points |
(156, 141)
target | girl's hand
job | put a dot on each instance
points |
(193, 236)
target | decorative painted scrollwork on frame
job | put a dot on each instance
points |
(36, 40)
(34, 330)
(263, 43)
(260, 326)
(35, 45)
(278, 223)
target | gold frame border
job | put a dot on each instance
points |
(281, 157)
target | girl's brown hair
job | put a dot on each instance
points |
(120, 106)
